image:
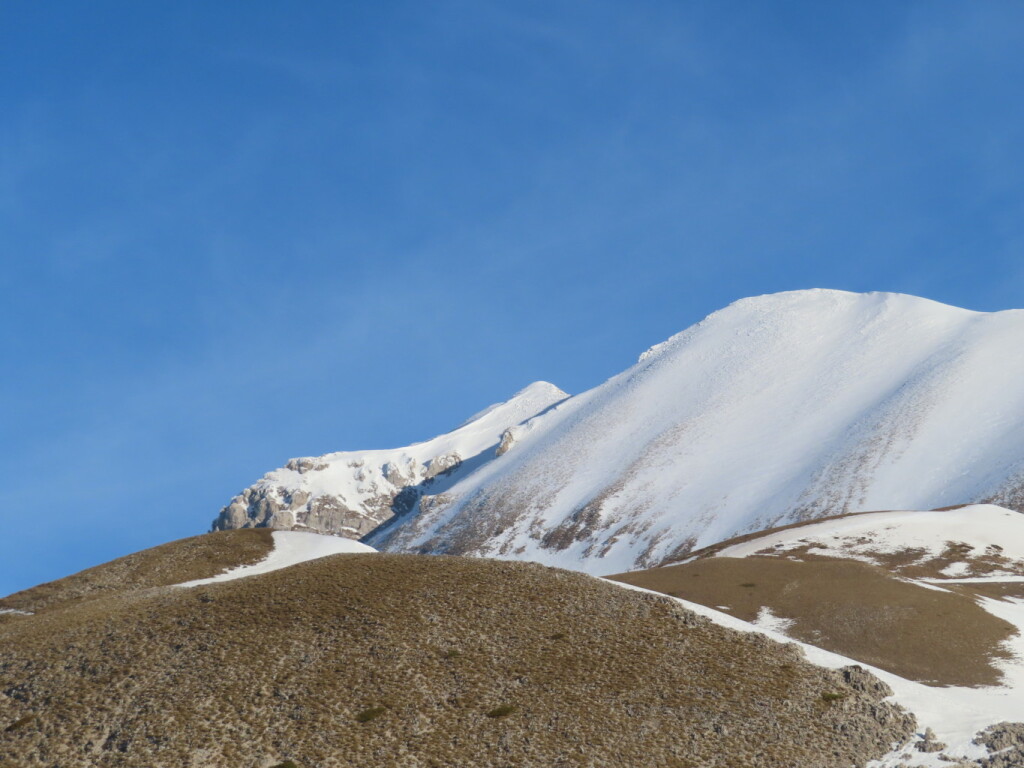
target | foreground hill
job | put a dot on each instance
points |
(367, 659)
(774, 410)
(934, 597)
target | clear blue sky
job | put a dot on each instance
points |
(236, 232)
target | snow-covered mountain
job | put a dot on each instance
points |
(351, 493)
(773, 410)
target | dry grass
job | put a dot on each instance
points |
(380, 660)
(198, 557)
(853, 608)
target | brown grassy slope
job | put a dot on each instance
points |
(390, 660)
(198, 557)
(852, 608)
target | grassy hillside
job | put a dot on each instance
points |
(197, 557)
(856, 609)
(900, 590)
(380, 660)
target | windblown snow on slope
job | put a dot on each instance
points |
(979, 542)
(776, 409)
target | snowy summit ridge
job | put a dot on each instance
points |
(351, 493)
(776, 409)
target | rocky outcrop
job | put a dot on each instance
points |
(1005, 743)
(353, 493)
(394, 491)
(507, 438)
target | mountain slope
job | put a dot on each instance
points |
(351, 493)
(867, 586)
(197, 557)
(372, 659)
(936, 597)
(776, 409)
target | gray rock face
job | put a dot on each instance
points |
(860, 679)
(443, 465)
(284, 507)
(507, 438)
(260, 508)
(329, 514)
(352, 494)
(929, 743)
(1005, 743)
(307, 464)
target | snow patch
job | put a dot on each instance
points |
(290, 548)
(996, 579)
(768, 620)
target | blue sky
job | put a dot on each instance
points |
(236, 232)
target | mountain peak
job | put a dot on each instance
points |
(528, 401)
(775, 409)
(810, 307)
(823, 298)
(353, 492)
